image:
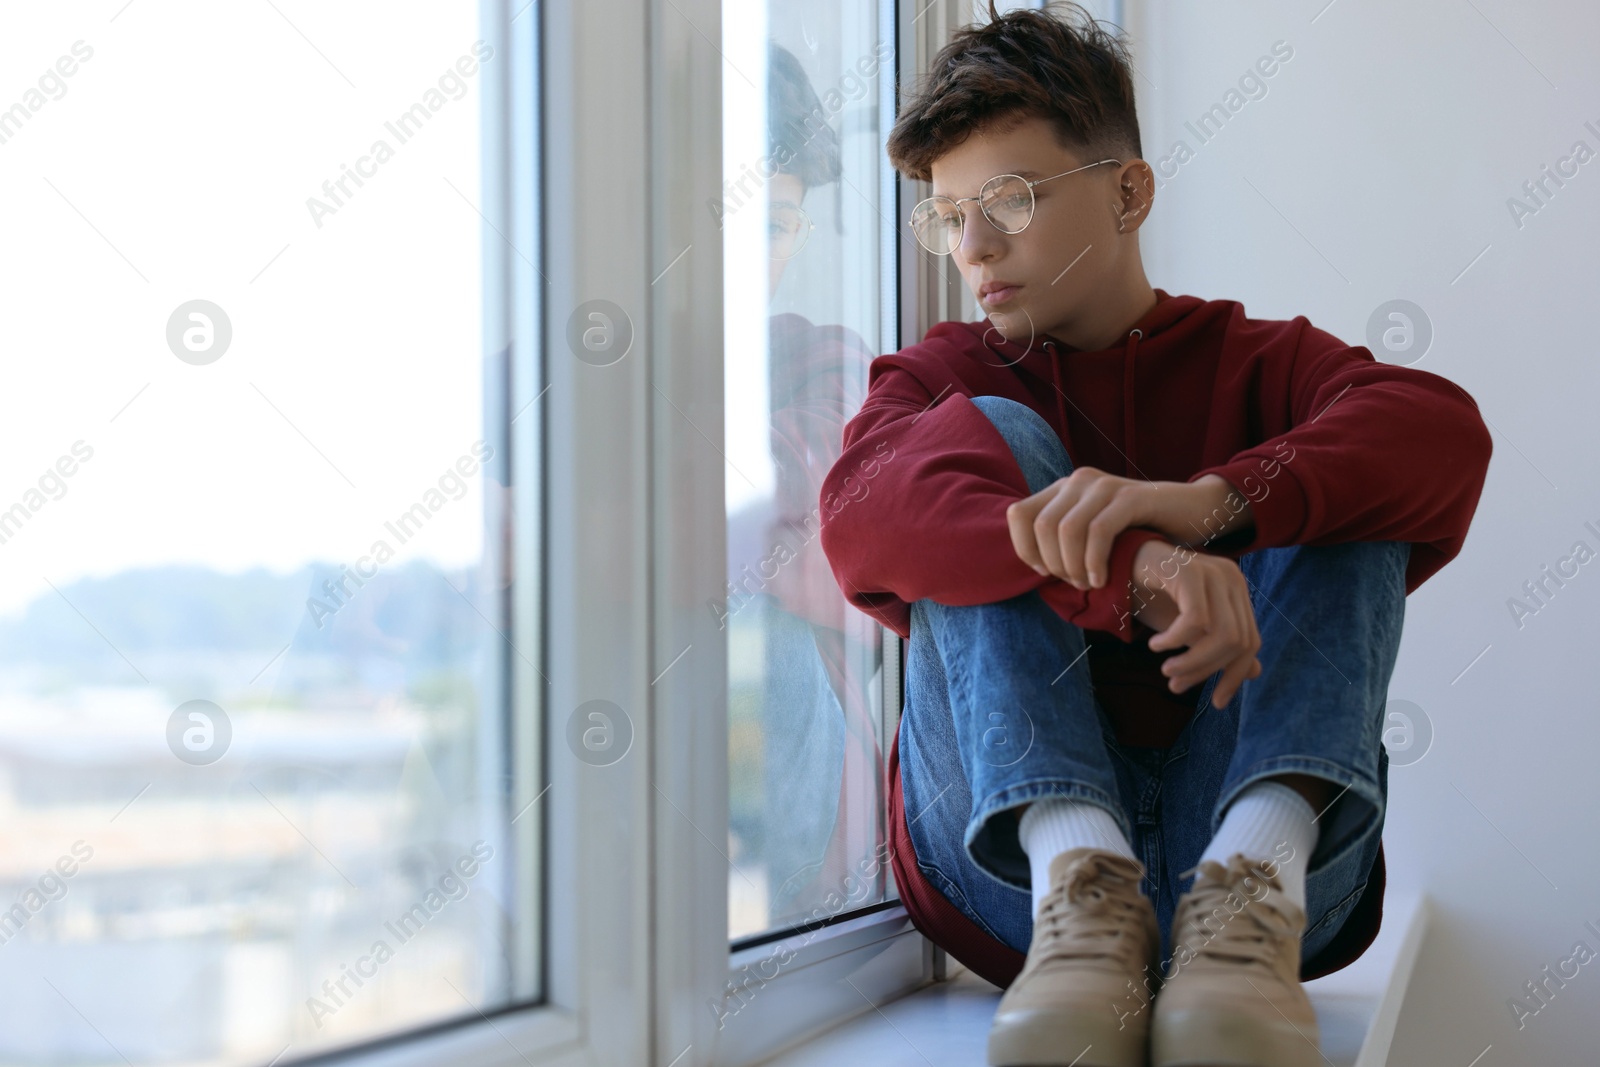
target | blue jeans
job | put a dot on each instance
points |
(1000, 711)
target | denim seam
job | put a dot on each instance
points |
(1041, 789)
(957, 898)
(1150, 801)
(1267, 768)
(1345, 906)
(1032, 789)
(1337, 859)
(1185, 739)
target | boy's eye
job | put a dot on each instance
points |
(1009, 197)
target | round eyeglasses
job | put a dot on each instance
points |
(788, 226)
(1006, 200)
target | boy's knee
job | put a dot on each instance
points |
(1034, 444)
(1349, 563)
(1010, 415)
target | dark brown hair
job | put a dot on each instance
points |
(799, 137)
(1066, 68)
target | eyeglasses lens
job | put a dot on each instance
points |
(787, 230)
(1006, 200)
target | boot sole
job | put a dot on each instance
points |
(1212, 1039)
(1063, 1037)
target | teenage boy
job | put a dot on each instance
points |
(1151, 556)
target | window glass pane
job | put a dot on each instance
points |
(253, 802)
(803, 230)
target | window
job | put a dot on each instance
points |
(807, 223)
(240, 743)
(256, 660)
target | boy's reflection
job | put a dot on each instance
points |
(822, 766)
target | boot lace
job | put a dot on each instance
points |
(1093, 914)
(1253, 935)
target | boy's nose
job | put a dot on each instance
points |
(979, 238)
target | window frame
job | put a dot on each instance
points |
(585, 622)
(859, 961)
(612, 109)
(824, 976)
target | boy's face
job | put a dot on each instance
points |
(1070, 257)
(784, 193)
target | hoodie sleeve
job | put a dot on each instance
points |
(1371, 452)
(915, 508)
(819, 374)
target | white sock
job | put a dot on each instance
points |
(1269, 821)
(1051, 827)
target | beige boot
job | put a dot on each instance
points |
(1083, 994)
(1231, 996)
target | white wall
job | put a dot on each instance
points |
(1378, 166)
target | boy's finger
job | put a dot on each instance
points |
(1102, 532)
(1200, 662)
(1221, 648)
(1181, 633)
(1019, 520)
(1232, 679)
(1045, 534)
(1194, 617)
(1069, 542)
(1069, 518)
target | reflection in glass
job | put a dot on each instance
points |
(805, 668)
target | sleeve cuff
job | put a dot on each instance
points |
(1277, 503)
(1108, 608)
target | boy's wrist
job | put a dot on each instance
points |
(1154, 564)
(1219, 510)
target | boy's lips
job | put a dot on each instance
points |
(997, 293)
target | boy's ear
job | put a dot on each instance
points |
(1136, 193)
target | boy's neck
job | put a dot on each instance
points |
(1108, 318)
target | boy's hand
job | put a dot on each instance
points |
(1067, 528)
(1202, 602)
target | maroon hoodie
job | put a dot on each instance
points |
(1328, 445)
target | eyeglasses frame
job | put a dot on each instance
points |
(962, 215)
(805, 233)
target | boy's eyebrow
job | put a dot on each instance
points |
(1024, 173)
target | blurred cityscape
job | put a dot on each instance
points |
(167, 909)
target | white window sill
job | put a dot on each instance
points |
(947, 1024)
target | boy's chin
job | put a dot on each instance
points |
(1015, 324)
